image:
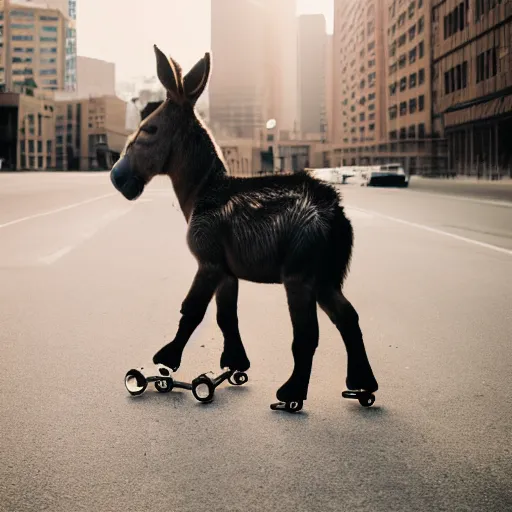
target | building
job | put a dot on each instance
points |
(34, 46)
(283, 59)
(70, 80)
(412, 141)
(359, 82)
(312, 39)
(472, 84)
(27, 131)
(329, 89)
(95, 77)
(90, 132)
(253, 73)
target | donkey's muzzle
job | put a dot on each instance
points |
(126, 180)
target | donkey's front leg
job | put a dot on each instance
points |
(302, 305)
(193, 310)
(234, 356)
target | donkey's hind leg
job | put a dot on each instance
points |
(193, 310)
(301, 297)
(233, 356)
(345, 318)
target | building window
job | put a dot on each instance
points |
(22, 38)
(49, 147)
(412, 105)
(45, 39)
(412, 56)
(412, 132)
(402, 40)
(392, 89)
(412, 32)
(403, 133)
(412, 81)
(49, 29)
(421, 76)
(410, 10)
(372, 127)
(393, 135)
(403, 84)
(421, 131)
(31, 146)
(421, 103)
(486, 65)
(361, 116)
(48, 18)
(39, 144)
(421, 24)
(402, 61)
(401, 19)
(403, 108)
(371, 106)
(392, 112)
(48, 72)
(421, 50)
(48, 50)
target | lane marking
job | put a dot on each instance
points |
(491, 202)
(104, 221)
(57, 210)
(436, 231)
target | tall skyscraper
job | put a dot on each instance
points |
(312, 39)
(71, 64)
(253, 72)
(33, 46)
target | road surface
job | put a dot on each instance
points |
(91, 286)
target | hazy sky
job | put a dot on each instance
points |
(124, 31)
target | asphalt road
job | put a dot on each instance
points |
(91, 286)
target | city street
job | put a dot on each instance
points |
(91, 285)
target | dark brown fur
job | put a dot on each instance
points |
(274, 229)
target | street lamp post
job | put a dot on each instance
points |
(272, 125)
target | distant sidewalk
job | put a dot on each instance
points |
(499, 190)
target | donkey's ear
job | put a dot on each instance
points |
(196, 79)
(167, 73)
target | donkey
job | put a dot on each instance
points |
(286, 229)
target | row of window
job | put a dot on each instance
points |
(26, 26)
(414, 79)
(410, 9)
(410, 133)
(32, 146)
(458, 19)
(29, 71)
(43, 39)
(31, 50)
(456, 78)
(417, 52)
(418, 28)
(415, 105)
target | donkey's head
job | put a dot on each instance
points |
(157, 145)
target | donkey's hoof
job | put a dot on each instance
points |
(360, 382)
(234, 360)
(168, 356)
(291, 407)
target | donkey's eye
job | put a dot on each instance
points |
(149, 128)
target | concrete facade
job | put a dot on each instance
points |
(472, 84)
(95, 77)
(312, 51)
(90, 132)
(254, 66)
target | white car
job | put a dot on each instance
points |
(382, 175)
